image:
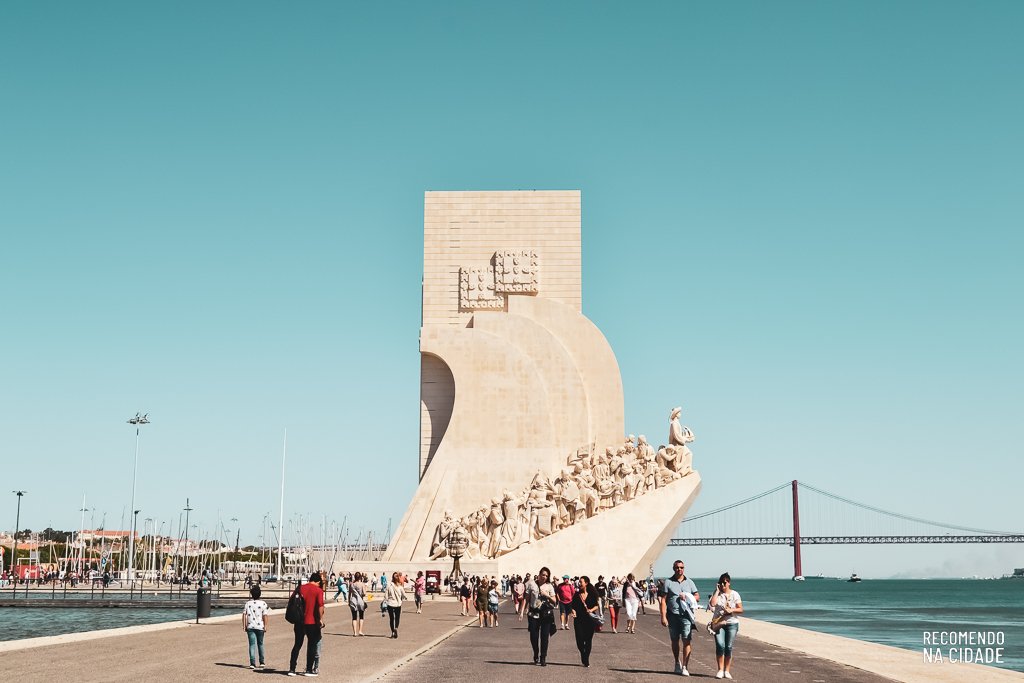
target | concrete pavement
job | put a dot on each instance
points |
(442, 645)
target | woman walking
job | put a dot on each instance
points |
(614, 602)
(394, 595)
(254, 621)
(631, 596)
(541, 600)
(584, 612)
(481, 603)
(419, 589)
(727, 604)
(465, 594)
(519, 594)
(357, 603)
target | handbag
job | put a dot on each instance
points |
(598, 619)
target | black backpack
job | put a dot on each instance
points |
(296, 611)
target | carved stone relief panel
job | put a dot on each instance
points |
(516, 271)
(476, 289)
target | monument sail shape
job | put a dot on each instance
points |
(523, 451)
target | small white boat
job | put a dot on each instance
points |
(853, 579)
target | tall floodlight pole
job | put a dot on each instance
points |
(17, 523)
(280, 519)
(131, 554)
(138, 421)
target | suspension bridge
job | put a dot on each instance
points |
(774, 517)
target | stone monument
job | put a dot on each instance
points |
(522, 455)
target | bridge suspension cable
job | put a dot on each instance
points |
(737, 504)
(908, 518)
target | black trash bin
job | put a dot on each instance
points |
(203, 599)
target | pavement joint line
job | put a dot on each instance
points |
(398, 663)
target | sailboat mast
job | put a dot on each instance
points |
(280, 519)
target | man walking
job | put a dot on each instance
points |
(602, 594)
(311, 627)
(674, 616)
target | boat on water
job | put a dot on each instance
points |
(853, 578)
(819, 576)
(1017, 574)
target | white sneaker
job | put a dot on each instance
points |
(728, 675)
(685, 672)
(720, 674)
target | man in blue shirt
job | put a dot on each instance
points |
(673, 613)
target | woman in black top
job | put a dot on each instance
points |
(584, 603)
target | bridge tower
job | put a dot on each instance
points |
(798, 573)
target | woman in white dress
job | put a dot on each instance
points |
(631, 598)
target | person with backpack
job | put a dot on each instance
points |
(308, 599)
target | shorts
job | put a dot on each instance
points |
(356, 613)
(493, 609)
(565, 607)
(679, 626)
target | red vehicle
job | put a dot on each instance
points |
(433, 581)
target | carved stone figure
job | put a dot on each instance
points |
(592, 481)
(567, 498)
(495, 520)
(650, 474)
(542, 510)
(678, 435)
(643, 448)
(439, 547)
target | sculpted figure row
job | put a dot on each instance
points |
(589, 483)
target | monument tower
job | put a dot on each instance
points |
(521, 404)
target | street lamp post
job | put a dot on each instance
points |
(138, 421)
(17, 523)
(131, 554)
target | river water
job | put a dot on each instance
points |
(891, 612)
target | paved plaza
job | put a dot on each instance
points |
(437, 645)
(504, 654)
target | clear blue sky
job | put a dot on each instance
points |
(801, 221)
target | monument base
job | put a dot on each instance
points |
(627, 538)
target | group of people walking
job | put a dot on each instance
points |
(583, 603)
(546, 606)
(306, 614)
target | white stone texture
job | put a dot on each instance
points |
(510, 390)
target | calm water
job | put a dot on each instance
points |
(891, 612)
(21, 622)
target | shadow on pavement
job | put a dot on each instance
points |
(661, 672)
